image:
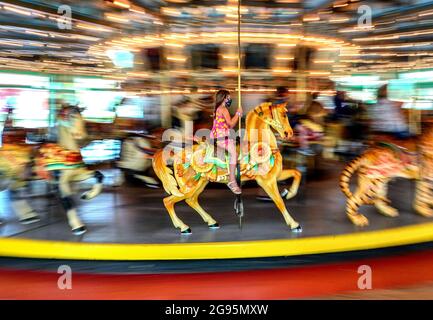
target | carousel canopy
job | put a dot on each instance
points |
(129, 39)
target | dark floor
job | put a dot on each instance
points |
(134, 214)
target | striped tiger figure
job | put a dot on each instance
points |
(382, 163)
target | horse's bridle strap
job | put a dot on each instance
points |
(271, 121)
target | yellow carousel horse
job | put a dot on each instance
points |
(384, 162)
(260, 160)
(63, 157)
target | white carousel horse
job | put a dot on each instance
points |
(65, 158)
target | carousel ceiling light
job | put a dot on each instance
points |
(37, 14)
(357, 29)
(116, 18)
(177, 59)
(284, 58)
(311, 18)
(319, 73)
(17, 10)
(36, 33)
(171, 12)
(9, 43)
(122, 4)
(92, 27)
(82, 37)
(340, 5)
(286, 44)
(137, 10)
(427, 13)
(339, 20)
(281, 70)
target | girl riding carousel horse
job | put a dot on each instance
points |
(221, 132)
(194, 168)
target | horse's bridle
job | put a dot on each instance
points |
(272, 122)
(65, 114)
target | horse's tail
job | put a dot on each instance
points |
(165, 174)
(347, 173)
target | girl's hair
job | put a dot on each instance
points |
(219, 98)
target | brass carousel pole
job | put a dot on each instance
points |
(239, 207)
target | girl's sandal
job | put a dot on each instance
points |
(233, 186)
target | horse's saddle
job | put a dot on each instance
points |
(54, 157)
(214, 164)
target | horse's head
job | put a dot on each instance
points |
(71, 120)
(276, 117)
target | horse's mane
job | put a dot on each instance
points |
(68, 109)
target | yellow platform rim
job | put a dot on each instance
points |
(44, 249)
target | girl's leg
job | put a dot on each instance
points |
(231, 148)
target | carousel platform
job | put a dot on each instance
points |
(129, 223)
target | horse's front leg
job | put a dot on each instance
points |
(85, 174)
(297, 176)
(271, 188)
(21, 207)
(68, 203)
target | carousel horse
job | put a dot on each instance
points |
(384, 162)
(260, 160)
(15, 168)
(48, 159)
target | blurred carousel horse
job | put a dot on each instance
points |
(15, 171)
(136, 159)
(261, 160)
(63, 157)
(384, 162)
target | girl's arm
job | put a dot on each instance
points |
(230, 121)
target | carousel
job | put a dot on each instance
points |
(124, 175)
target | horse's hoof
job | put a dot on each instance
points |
(79, 231)
(214, 226)
(298, 229)
(86, 196)
(186, 232)
(30, 220)
(264, 198)
(152, 186)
